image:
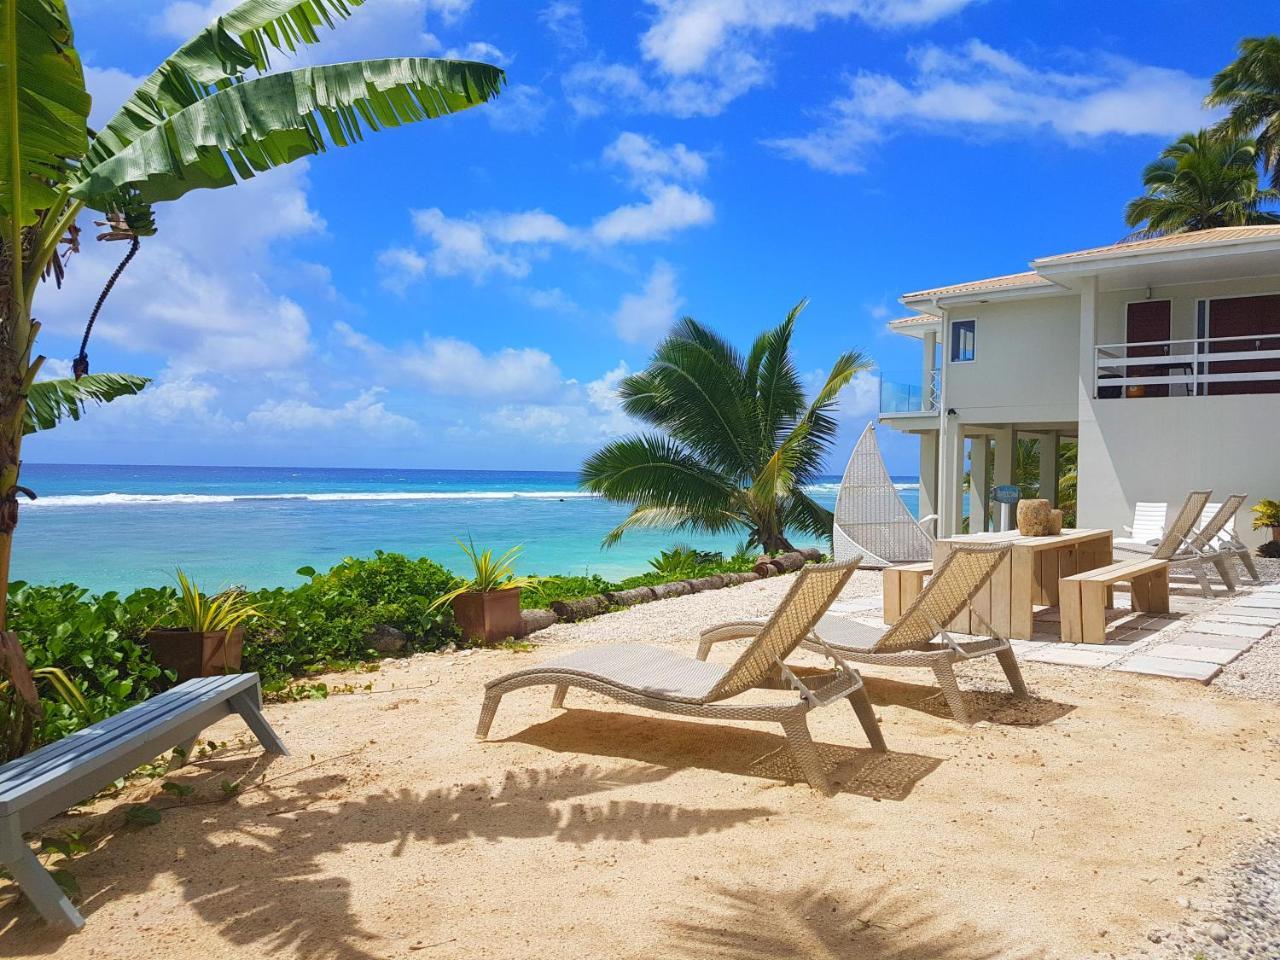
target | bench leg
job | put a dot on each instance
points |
(1069, 606)
(181, 755)
(1093, 612)
(41, 889)
(249, 707)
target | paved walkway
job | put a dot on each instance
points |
(1194, 641)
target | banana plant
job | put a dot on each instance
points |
(211, 115)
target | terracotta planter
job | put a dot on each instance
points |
(190, 654)
(488, 618)
(1275, 534)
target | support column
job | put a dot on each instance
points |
(931, 400)
(978, 484)
(1003, 470)
(928, 473)
(951, 479)
(1049, 467)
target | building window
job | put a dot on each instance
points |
(963, 339)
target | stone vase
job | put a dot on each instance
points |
(1034, 518)
(1055, 522)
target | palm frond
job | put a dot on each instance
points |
(273, 120)
(673, 518)
(49, 402)
(44, 108)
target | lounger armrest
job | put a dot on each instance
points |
(930, 521)
(734, 630)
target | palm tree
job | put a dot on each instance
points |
(1250, 87)
(735, 443)
(209, 116)
(1201, 180)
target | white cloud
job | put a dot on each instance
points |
(530, 226)
(563, 18)
(400, 267)
(520, 108)
(647, 161)
(582, 416)
(668, 210)
(980, 89)
(553, 299)
(687, 34)
(110, 87)
(445, 365)
(701, 55)
(462, 247)
(365, 413)
(643, 317)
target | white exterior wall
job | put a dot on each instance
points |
(1160, 448)
(1026, 366)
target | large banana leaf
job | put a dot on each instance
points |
(50, 401)
(222, 52)
(258, 124)
(44, 108)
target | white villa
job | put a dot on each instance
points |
(1161, 356)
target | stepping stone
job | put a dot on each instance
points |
(1254, 631)
(1168, 667)
(1182, 651)
(1265, 600)
(1256, 614)
(1209, 640)
(1073, 656)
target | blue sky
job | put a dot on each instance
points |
(466, 292)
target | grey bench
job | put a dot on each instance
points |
(47, 781)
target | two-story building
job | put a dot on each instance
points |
(1161, 357)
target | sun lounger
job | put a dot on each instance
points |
(667, 682)
(920, 637)
(1148, 524)
(1184, 546)
(1226, 540)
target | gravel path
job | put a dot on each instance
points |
(679, 619)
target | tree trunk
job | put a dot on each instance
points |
(17, 336)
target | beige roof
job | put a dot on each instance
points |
(913, 320)
(1028, 279)
(1197, 238)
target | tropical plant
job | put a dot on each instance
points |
(1201, 180)
(208, 116)
(1266, 513)
(1250, 88)
(488, 575)
(680, 562)
(49, 402)
(20, 719)
(203, 613)
(736, 440)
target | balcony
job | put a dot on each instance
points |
(1203, 366)
(902, 398)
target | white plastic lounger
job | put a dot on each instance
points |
(871, 520)
(1148, 525)
(1184, 546)
(667, 682)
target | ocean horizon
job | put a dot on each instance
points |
(120, 527)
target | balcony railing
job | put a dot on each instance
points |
(897, 397)
(1203, 366)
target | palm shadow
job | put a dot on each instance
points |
(828, 920)
(269, 887)
(1000, 707)
(681, 744)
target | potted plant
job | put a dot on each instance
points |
(1266, 513)
(208, 636)
(487, 607)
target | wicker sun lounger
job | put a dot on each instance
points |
(667, 682)
(920, 638)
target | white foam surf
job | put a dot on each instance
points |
(188, 499)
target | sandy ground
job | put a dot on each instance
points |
(1067, 826)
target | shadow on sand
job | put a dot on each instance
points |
(1001, 708)
(259, 873)
(870, 922)
(680, 744)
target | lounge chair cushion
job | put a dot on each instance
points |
(652, 671)
(847, 633)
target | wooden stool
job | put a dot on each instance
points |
(902, 584)
(1084, 598)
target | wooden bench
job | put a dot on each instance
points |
(1083, 599)
(902, 584)
(46, 782)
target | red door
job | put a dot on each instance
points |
(1258, 320)
(1145, 321)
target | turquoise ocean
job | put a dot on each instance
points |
(122, 527)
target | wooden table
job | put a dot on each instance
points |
(1028, 579)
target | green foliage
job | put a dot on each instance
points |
(1266, 513)
(548, 589)
(1200, 181)
(204, 614)
(96, 641)
(51, 401)
(735, 438)
(1250, 88)
(323, 623)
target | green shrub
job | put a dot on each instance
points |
(96, 640)
(548, 589)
